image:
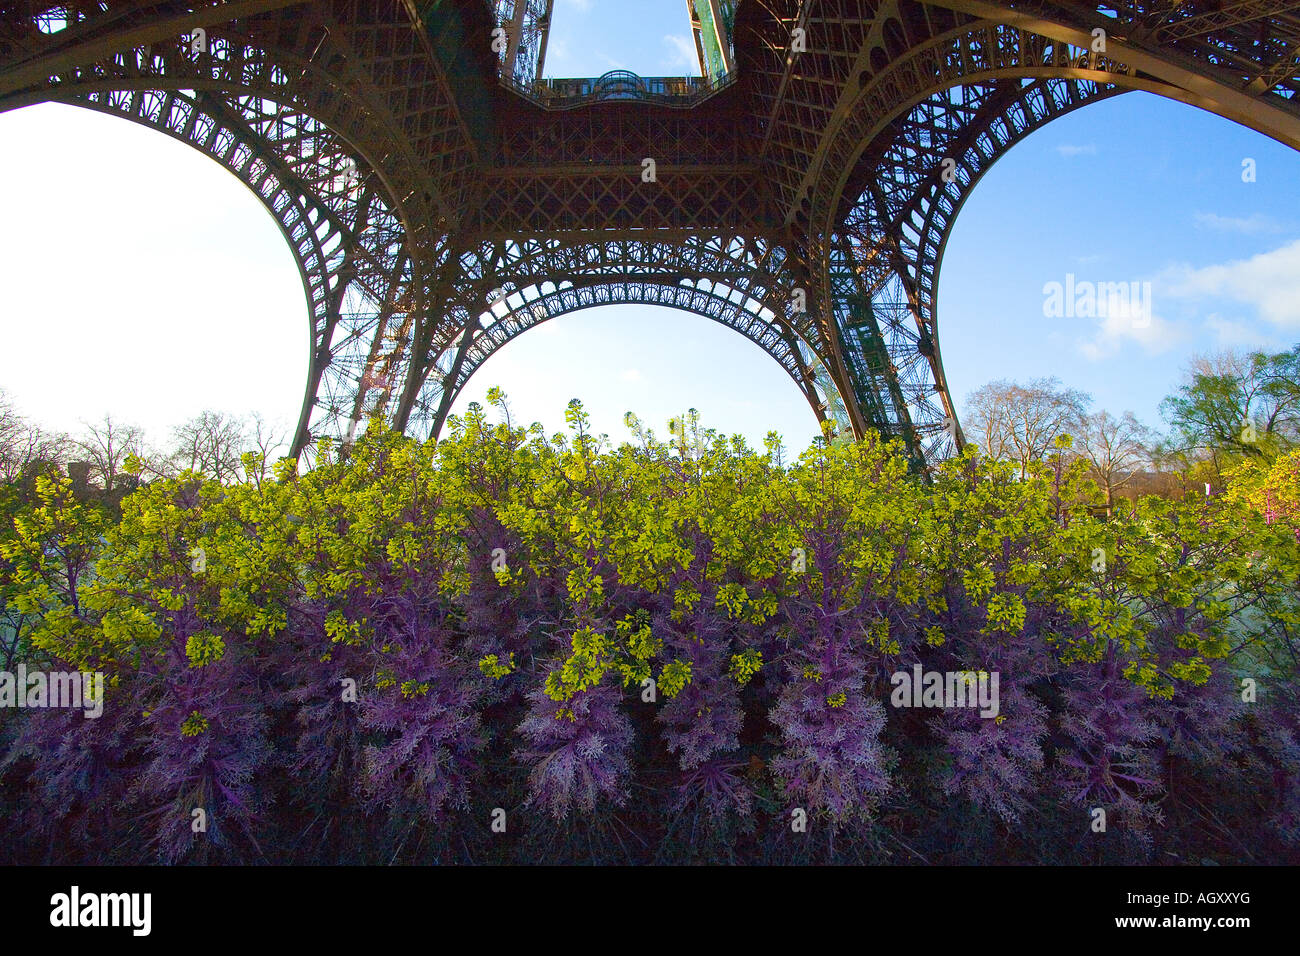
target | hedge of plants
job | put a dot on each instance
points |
(512, 647)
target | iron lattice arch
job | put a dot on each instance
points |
(440, 198)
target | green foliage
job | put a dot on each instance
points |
(975, 537)
(493, 667)
(585, 668)
(204, 649)
(195, 725)
(696, 562)
(674, 678)
(1237, 409)
(745, 665)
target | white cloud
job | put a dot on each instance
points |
(1237, 335)
(683, 52)
(1250, 225)
(1087, 149)
(557, 50)
(631, 375)
(1268, 282)
(1123, 324)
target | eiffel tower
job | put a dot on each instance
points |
(441, 197)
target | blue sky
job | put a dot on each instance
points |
(140, 278)
(649, 37)
(1132, 189)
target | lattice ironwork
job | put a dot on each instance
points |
(740, 282)
(526, 25)
(439, 206)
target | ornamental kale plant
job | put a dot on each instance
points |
(504, 646)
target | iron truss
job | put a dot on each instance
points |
(436, 213)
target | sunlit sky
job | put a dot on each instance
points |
(140, 278)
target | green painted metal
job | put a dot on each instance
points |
(449, 36)
(715, 62)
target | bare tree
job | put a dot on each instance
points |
(23, 444)
(269, 442)
(989, 425)
(209, 444)
(1226, 363)
(1117, 449)
(106, 445)
(1019, 423)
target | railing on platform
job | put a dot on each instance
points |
(673, 91)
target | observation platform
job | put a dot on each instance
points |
(682, 92)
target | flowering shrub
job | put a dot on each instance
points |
(508, 646)
(1273, 489)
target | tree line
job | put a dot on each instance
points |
(1230, 408)
(211, 444)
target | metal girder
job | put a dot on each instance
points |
(527, 24)
(510, 285)
(586, 170)
(903, 215)
(91, 39)
(1240, 60)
